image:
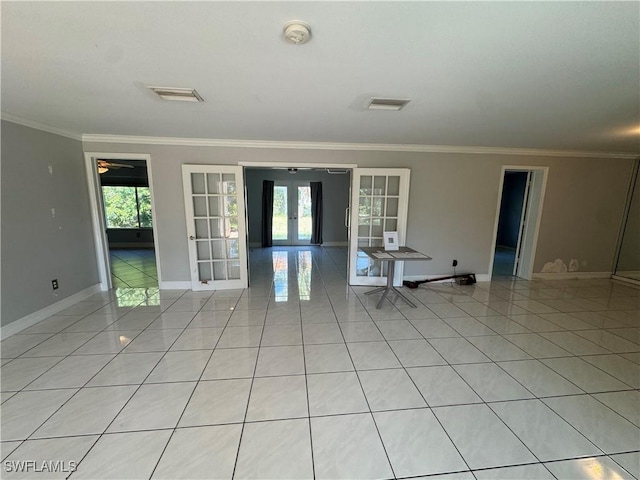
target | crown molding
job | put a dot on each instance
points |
(39, 126)
(379, 147)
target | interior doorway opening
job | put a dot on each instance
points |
(517, 221)
(123, 220)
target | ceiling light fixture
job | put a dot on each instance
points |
(177, 94)
(387, 104)
(296, 32)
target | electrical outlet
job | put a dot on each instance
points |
(54, 283)
(455, 263)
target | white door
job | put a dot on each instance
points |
(379, 203)
(215, 213)
(291, 213)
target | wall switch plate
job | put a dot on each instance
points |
(54, 283)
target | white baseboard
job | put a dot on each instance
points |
(571, 275)
(35, 317)
(175, 285)
(628, 281)
(483, 277)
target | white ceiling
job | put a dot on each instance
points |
(546, 75)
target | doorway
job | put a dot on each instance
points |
(291, 213)
(123, 220)
(517, 221)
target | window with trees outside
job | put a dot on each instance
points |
(127, 207)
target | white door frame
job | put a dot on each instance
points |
(534, 203)
(98, 217)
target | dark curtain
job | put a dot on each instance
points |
(267, 213)
(316, 213)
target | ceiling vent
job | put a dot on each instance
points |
(177, 94)
(387, 104)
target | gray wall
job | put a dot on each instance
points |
(36, 247)
(452, 204)
(335, 198)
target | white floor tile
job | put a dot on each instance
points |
(123, 455)
(537, 346)
(534, 471)
(626, 404)
(153, 341)
(320, 333)
(484, 442)
(69, 451)
(153, 407)
(390, 390)
(72, 372)
(211, 452)
(60, 344)
(280, 335)
(543, 431)
(629, 461)
(278, 449)
(596, 468)
(372, 356)
(458, 350)
(231, 363)
(327, 358)
(573, 343)
(491, 382)
(197, 339)
(234, 337)
(335, 393)
(26, 411)
(280, 361)
(361, 332)
(398, 330)
(606, 429)
(126, 369)
(442, 386)
(434, 328)
(584, 375)
(180, 366)
(417, 444)
(22, 371)
(89, 412)
(498, 348)
(16, 345)
(347, 447)
(539, 379)
(217, 402)
(274, 398)
(416, 353)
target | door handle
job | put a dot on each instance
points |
(191, 237)
(347, 217)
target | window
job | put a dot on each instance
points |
(127, 207)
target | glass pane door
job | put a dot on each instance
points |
(380, 197)
(214, 206)
(280, 217)
(291, 213)
(303, 219)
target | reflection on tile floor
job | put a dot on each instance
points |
(300, 376)
(133, 268)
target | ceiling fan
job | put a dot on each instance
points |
(105, 165)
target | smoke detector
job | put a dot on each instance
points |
(296, 32)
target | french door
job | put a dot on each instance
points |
(291, 213)
(215, 213)
(379, 203)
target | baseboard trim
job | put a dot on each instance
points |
(482, 277)
(571, 275)
(35, 317)
(175, 285)
(628, 281)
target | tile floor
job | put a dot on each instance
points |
(133, 268)
(300, 376)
